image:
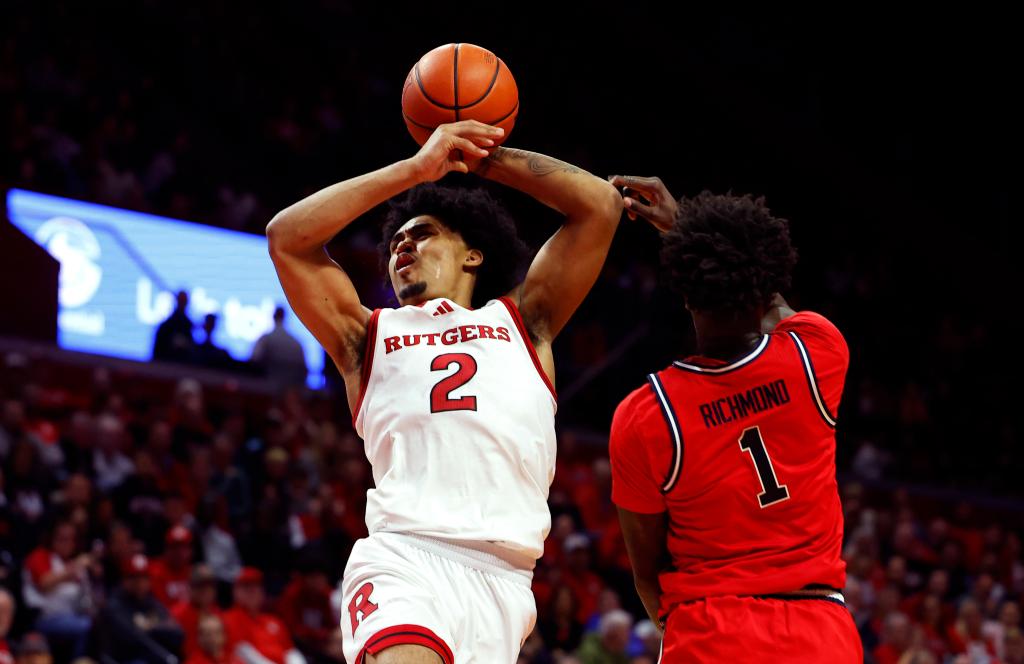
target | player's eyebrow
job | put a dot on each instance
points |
(409, 231)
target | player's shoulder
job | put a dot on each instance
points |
(635, 411)
(638, 401)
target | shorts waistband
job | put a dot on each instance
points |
(490, 559)
(828, 594)
(820, 593)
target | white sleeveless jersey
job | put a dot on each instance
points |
(457, 419)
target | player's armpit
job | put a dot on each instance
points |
(646, 543)
(567, 265)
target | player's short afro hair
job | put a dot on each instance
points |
(727, 252)
(483, 223)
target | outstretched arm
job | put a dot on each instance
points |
(318, 289)
(568, 264)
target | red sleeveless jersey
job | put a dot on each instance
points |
(742, 458)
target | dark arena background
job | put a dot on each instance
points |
(881, 136)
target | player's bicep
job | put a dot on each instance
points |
(565, 269)
(325, 300)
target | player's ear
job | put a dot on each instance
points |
(474, 258)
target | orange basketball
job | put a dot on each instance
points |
(459, 82)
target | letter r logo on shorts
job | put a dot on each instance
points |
(360, 607)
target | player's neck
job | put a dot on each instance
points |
(459, 291)
(726, 335)
(463, 300)
(461, 294)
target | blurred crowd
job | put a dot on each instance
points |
(142, 518)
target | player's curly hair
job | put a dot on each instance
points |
(727, 252)
(483, 223)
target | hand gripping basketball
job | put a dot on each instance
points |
(451, 145)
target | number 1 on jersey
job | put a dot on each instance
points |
(771, 492)
(439, 399)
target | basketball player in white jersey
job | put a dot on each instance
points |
(452, 392)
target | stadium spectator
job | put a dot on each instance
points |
(608, 644)
(559, 625)
(896, 639)
(256, 637)
(110, 464)
(56, 584)
(1014, 647)
(33, 649)
(209, 354)
(220, 550)
(174, 340)
(279, 355)
(202, 601)
(966, 635)
(211, 643)
(646, 641)
(305, 605)
(170, 574)
(134, 625)
(578, 575)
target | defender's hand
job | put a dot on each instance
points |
(451, 145)
(647, 198)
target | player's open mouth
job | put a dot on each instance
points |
(405, 259)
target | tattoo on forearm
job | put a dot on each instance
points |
(540, 165)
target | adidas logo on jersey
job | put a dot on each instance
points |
(445, 308)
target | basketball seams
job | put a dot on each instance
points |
(426, 95)
(455, 81)
(423, 90)
(458, 108)
(494, 79)
(418, 124)
(506, 116)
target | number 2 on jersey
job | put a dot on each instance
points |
(439, 399)
(771, 492)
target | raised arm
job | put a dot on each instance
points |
(649, 198)
(318, 289)
(566, 267)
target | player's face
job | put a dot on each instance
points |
(428, 260)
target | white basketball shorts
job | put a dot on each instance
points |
(468, 606)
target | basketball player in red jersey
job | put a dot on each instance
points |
(723, 465)
(452, 392)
